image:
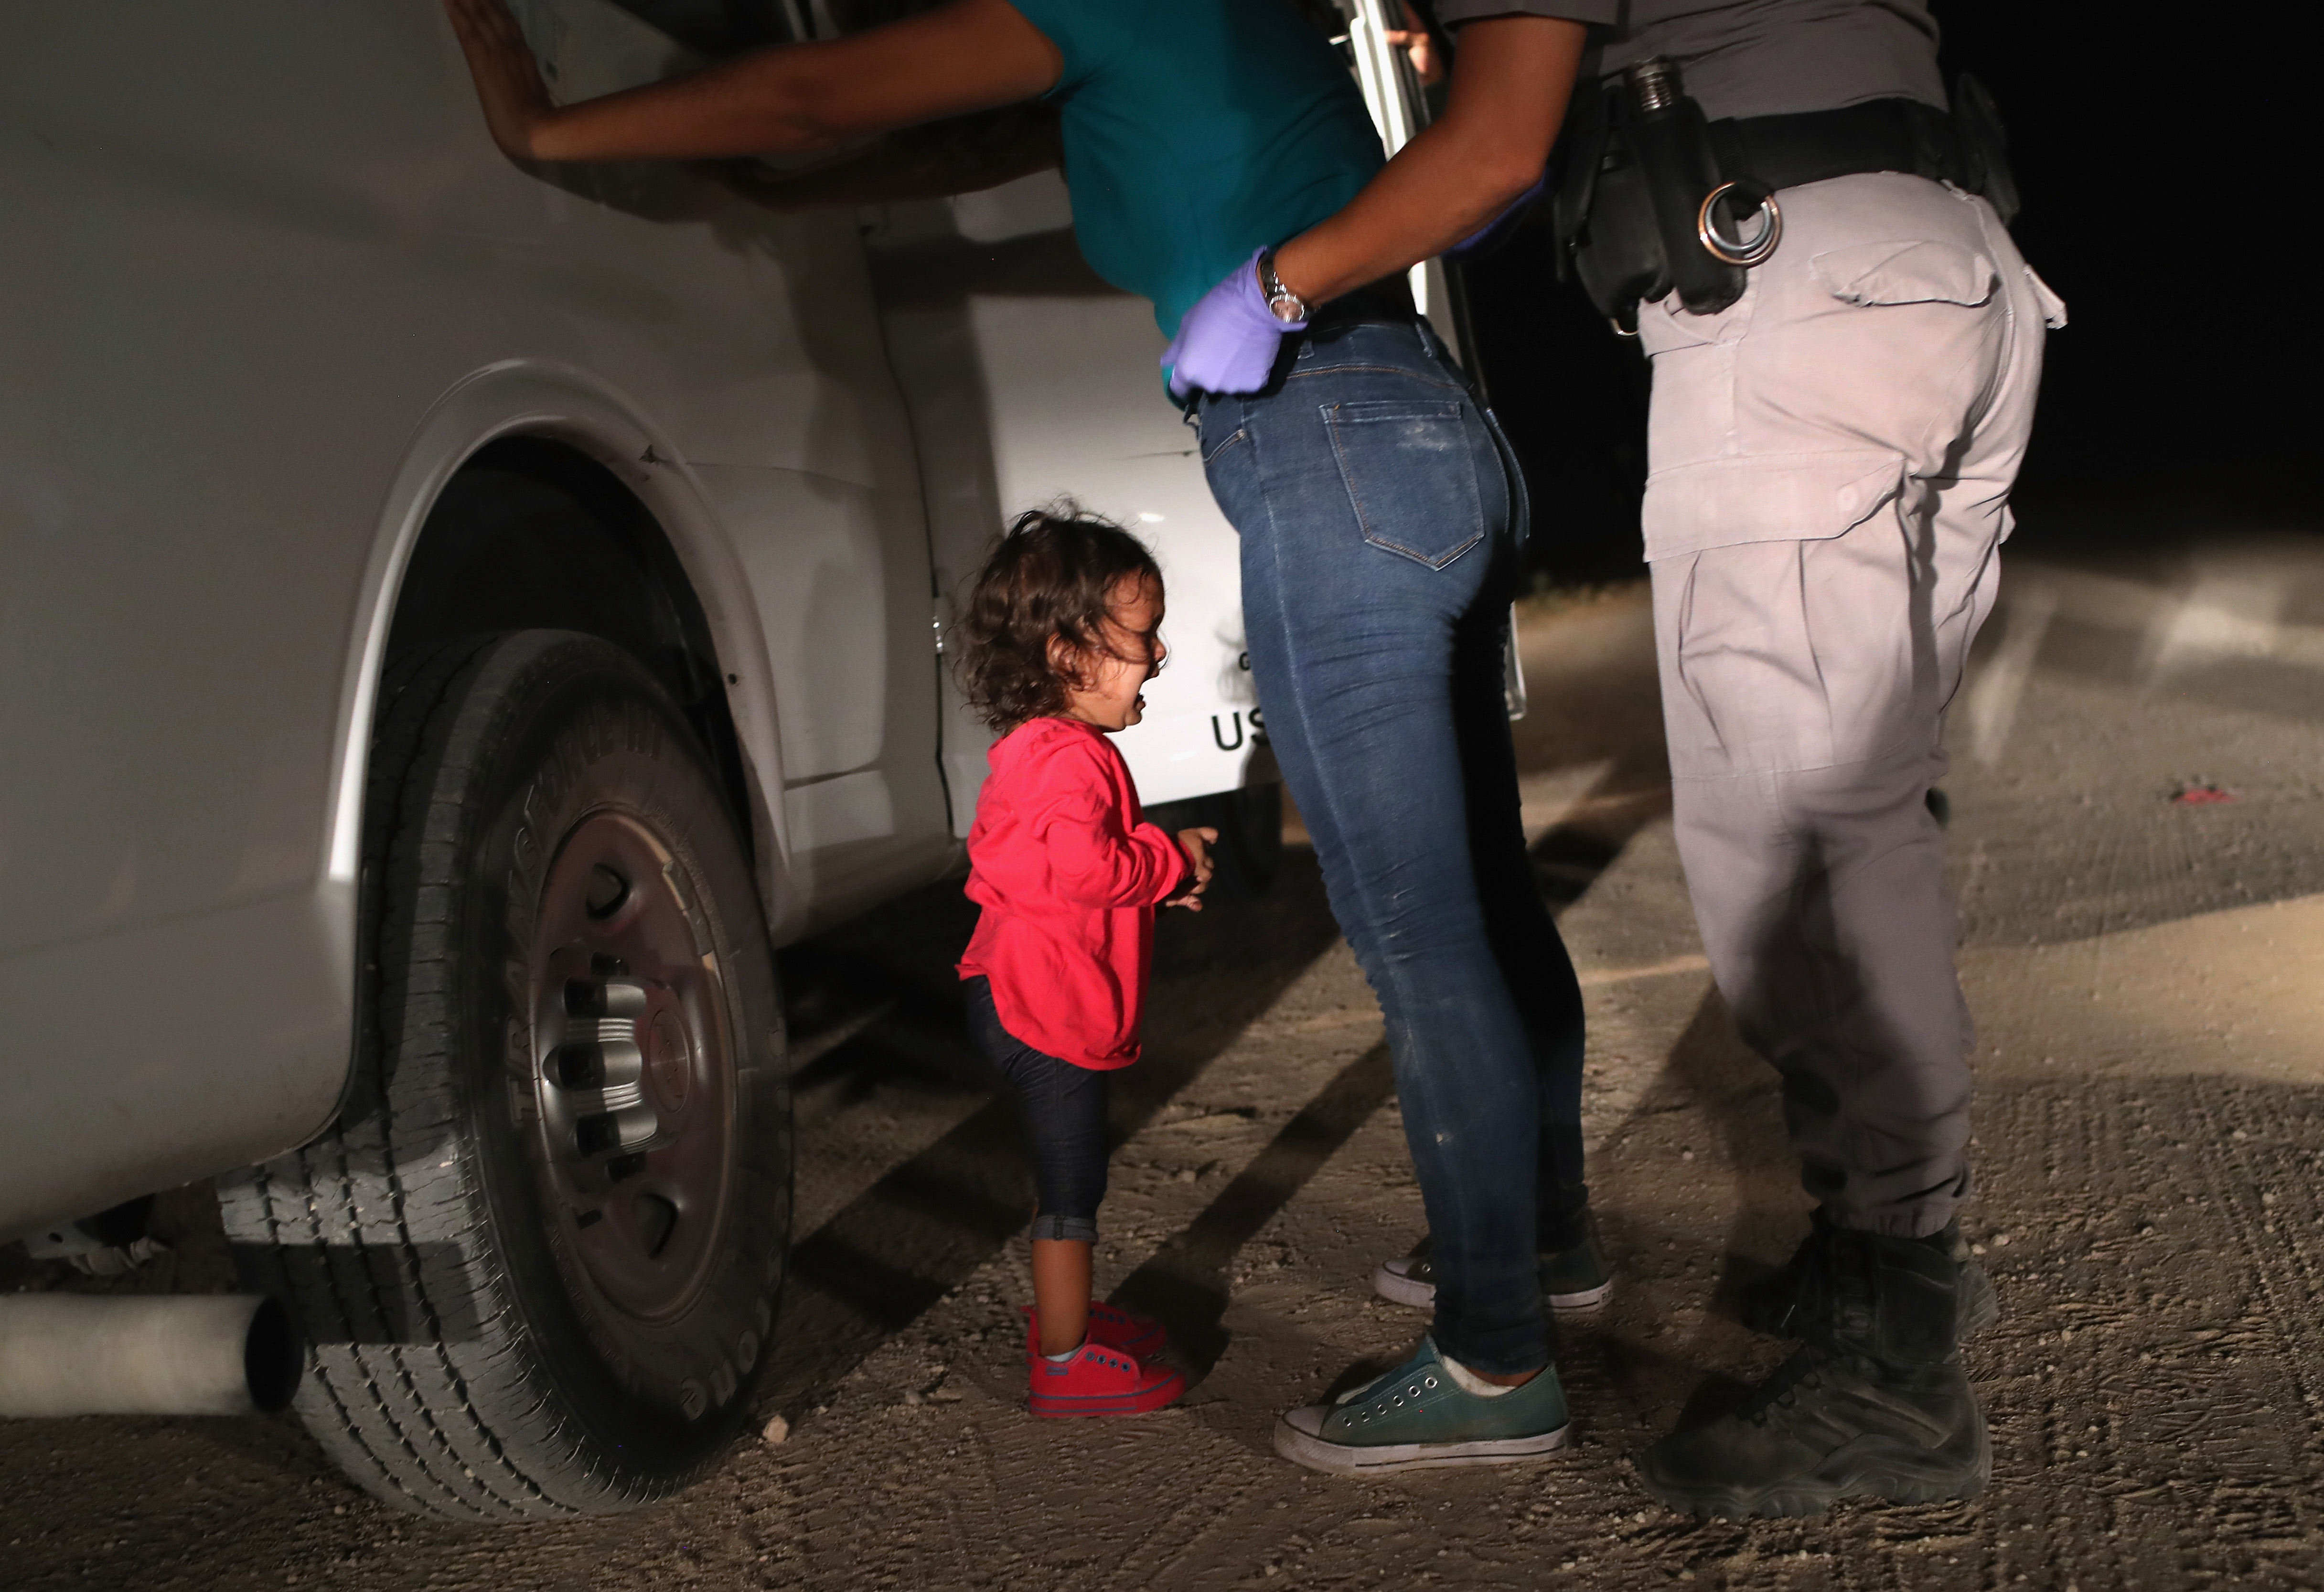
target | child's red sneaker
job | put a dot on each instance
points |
(1100, 1381)
(1140, 1337)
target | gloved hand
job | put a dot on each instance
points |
(1229, 338)
(1501, 227)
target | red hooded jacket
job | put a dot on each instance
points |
(1068, 872)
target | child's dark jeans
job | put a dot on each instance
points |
(1065, 1111)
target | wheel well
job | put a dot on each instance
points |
(531, 534)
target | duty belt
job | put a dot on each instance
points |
(1652, 199)
(1386, 300)
(1811, 146)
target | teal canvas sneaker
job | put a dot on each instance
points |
(1417, 1415)
(1580, 1277)
(1573, 1279)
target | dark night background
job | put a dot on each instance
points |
(2166, 180)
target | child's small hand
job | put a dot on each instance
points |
(508, 76)
(1197, 844)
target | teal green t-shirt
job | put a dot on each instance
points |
(1196, 131)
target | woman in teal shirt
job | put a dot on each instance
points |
(1378, 508)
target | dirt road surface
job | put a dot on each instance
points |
(2137, 825)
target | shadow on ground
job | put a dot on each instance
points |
(883, 1259)
(887, 982)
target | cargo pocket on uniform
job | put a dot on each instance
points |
(1921, 271)
(1410, 475)
(2054, 309)
(1766, 498)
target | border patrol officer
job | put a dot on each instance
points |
(1807, 235)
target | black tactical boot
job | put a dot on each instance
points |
(1873, 1404)
(1770, 1304)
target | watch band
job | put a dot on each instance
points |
(1284, 304)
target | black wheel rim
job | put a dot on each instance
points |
(632, 1070)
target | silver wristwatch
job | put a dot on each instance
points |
(1285, 304)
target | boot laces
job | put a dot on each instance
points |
(1779, 1393)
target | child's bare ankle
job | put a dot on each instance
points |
(1061, 1292)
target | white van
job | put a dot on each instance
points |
(455, 623)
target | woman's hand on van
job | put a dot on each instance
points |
(508, 83)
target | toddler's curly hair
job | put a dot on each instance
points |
(1048, 578)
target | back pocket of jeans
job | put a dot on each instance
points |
(1411, 474)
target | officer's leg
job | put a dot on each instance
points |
(1818, 883)
(1818, 886)
(1832, 463)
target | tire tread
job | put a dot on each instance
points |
(412, 1419)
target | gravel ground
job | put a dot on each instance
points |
(2137, 828)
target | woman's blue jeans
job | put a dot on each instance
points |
(1380, 509)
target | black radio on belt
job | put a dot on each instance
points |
(1652, 199)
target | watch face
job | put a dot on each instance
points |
(1281, 301)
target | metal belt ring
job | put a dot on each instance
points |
(1743, 251)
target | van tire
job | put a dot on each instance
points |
(568, 1022)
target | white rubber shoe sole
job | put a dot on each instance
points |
(1297, 1440)
(1397, 1288)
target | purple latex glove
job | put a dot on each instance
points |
(1229, 338)
(1496, 231)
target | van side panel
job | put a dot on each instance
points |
(1030, 380)
(252, 244)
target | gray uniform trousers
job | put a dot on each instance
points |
(1829, 462)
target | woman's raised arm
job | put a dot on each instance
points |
(1510, 84)
(1510, 81)
(970, 55)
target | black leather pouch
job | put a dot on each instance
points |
(1629, 194)
(1674, 155)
